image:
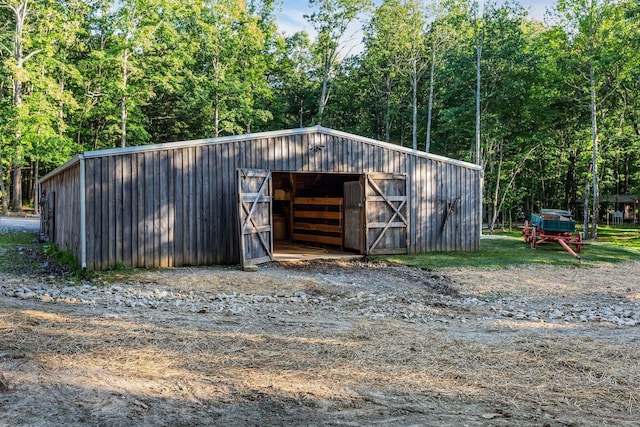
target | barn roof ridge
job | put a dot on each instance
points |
(243, 137)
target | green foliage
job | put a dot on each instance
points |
(61, 257)
(95, 74)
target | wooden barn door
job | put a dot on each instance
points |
(353, 216)
(386, 213)
(254, 214)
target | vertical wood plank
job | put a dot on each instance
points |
(298, 153)
(226, 244)
(119, 208)
(197, 231)
(206, 206)
(104, 214)
(135, 183)
(447, 199)
(92, 212)
(149, 222)
(277, 147)
(212, 178)
(191, 252)
(111, 232)
(437, 190)
(289, 160)
(412, 194)
(126, 210)
(327, 153)
(219, 205)
(178, 235)
(163, 208)
(141, 207)
(171, 202)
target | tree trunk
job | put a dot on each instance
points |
(585, 210)
(414, 104)
(570, 181)
(20, 11)
(387, 113)
(322, 103)
(498, 206)
(478, 81)
(36, 194)
(594, 154)
(3, 190)
(301, 111)
(123, 106)
(324, 95)
(17, 181)
(216, 117)
(496, 195)
(427, 145)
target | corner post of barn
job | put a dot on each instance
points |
(83, 214)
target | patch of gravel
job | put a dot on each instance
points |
(423, 302)
(16, 223)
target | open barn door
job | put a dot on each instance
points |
(386, 213)
(353, 216)
(254, 214)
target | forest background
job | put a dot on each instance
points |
(550, 108)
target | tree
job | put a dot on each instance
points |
(291, 79)
(589, 29)
(330, 20)
(386, 39)
(416, 53)
(15, 48)
(34, 51)
(233, 50)
(447, 16)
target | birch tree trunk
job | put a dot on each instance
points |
(414, 104)
(594, 154)
(20, 11)
(123, 106)
(478, 81)
(585, 210)
(331, 56)
(427, 144)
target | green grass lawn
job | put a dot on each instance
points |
(15, 251)
(615, 244)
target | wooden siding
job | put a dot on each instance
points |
(63, 199)
(177, 207)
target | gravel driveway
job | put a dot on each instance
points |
(19, 223)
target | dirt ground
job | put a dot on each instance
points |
(323, 344)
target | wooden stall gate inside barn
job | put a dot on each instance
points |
(370, 216)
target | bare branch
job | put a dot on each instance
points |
(30, 55)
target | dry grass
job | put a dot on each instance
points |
(397, 358)
(513, 369)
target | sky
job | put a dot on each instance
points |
(291, 17)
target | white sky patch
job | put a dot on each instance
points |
(291, 18)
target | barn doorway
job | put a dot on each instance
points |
(339, 212)
(303, 215)
(309, 215)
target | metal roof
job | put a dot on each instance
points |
(244, 137)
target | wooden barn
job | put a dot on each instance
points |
(229, 200)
